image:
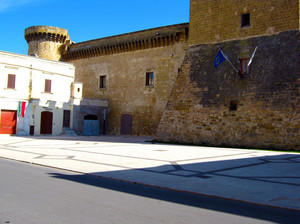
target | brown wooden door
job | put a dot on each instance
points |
(126, 124)
(8, 122)
(67, 118)
(46, 122)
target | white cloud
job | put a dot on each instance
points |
(8, 4)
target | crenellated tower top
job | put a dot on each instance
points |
(46, 41)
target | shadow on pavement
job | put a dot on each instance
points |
(263, 171)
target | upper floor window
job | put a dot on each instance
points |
(149, 79)
(11, 81)
(245, 21)
(102, 84)
(47, 86)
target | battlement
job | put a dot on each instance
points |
(46, 41)
(48, 33)
(145, 39)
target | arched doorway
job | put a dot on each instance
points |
(46, 122)
(90, 125)
(126, 124)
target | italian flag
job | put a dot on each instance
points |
(21, 109)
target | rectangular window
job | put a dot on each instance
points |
(233, 105)
(245, 20)
(11, 81)
(102, 82)
(47, 86)
(149, 79)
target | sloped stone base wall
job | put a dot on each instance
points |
(215, 106)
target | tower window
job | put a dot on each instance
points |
(233, 105)
(102, 84)
(245, 21)
(149, 79)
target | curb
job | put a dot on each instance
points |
(154, 186)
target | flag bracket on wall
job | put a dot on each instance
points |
(222, 57)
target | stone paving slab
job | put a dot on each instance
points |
(264, 177)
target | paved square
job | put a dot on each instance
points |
(264, 177)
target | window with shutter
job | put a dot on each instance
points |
(11, 81)
(47, 86)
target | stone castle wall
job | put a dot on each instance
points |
(216, 21)
(267, 99)
(125, 63)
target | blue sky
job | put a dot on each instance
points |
(85, 19)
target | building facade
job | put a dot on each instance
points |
(35, 95)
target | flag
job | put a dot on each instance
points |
(219, 58)
(250, 61)
(21, 109)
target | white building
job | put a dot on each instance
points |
(45, 90)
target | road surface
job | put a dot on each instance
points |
(36, 194)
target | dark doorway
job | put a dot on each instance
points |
(46, 122)
(67, 118)
(126, 124)
(8, 122)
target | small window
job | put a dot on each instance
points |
(245, 20)
(78, 90)
(47, 86)
(102, 82)
(149, 79)
(233, 105)
(11, 81)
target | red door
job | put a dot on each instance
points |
(46, 122)
(8, 122)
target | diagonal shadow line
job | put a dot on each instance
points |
(235, 167)
(212, 157)
(114, 155)
(257, 211)
(196, 175)
(260, 180)
(270, 177)
(16, 150)
(13, 143)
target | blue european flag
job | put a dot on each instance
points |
(219, 58)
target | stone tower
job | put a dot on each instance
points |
(46, 41)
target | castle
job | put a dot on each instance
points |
(164, 82)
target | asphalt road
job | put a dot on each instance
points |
(35, 194)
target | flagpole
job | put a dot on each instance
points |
(250, 61)
(228, 61)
